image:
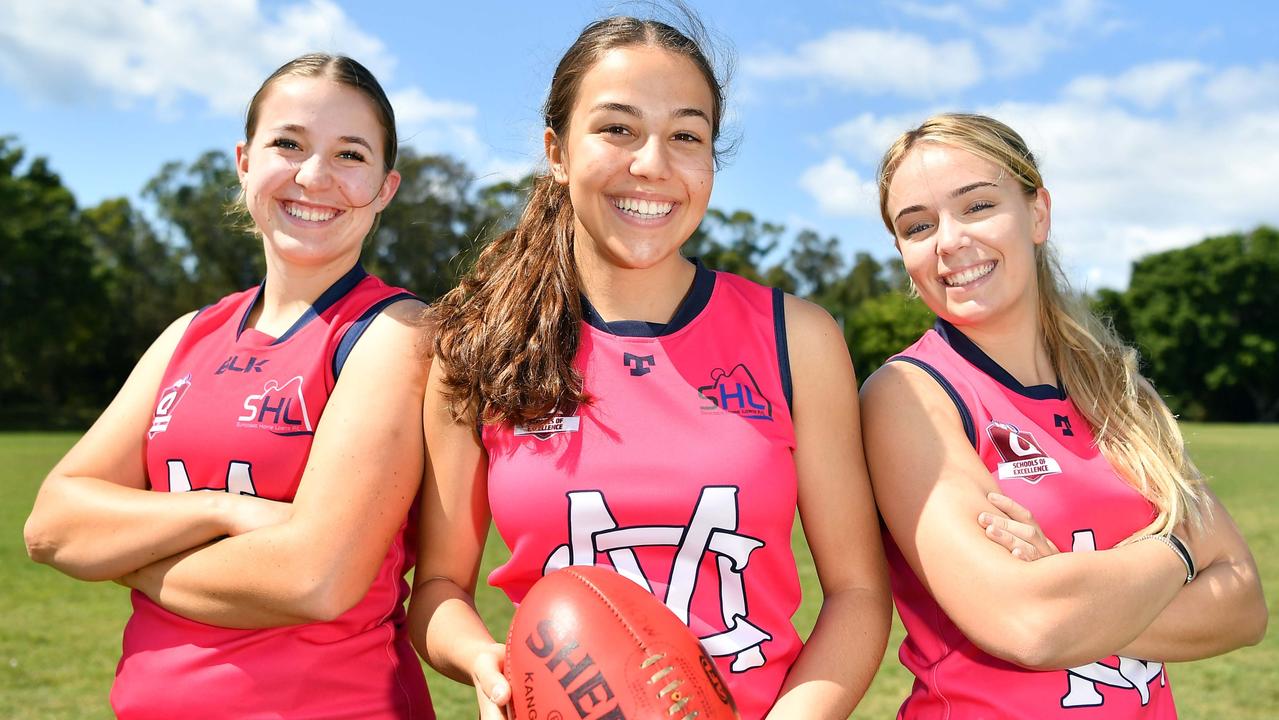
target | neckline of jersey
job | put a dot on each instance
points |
(699, 295)
(968, 350)
(335, 292)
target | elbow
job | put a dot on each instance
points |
(1255, 622)
(324, 599)
(1027, 640)
(42, 547)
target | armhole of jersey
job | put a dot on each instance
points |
(783, 353)
(964, 415)
(353, 333)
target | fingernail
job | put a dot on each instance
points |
(983, 518)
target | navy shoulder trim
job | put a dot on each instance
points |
(965, 416)
(689, 308)
(968, 350)
(783, 351)
(353, 333)
(336, 291)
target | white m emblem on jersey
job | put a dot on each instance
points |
(1130, 674)
(712, 527)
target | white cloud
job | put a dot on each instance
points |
(1146, 86)
(1021, 48)
(413, 106)
(876, 62)
(1125, 180)
(840, 191)
(131, 51)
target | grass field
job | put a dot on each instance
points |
(60, 639)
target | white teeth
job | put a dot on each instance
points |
(969, 275)
(309, 214)
(643, 208)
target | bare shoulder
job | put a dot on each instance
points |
(898, 387)
(813, 337)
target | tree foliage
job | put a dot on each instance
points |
(1206, 319)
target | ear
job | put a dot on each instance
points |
(390, 184)
(241, 160)
(555, 156)
(1041, 212)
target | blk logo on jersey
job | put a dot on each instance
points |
(167, 403)
(711, 528)
(280, 409)
(1125, 674)
(1022, 456)
(253, 364)
(639, 364)
(736, 392)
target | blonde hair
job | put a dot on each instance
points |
(1131, 424)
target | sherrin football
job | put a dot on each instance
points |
(589, 644)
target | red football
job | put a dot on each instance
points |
(588, 644)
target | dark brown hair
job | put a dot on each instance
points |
(344, 71)
(508, 334)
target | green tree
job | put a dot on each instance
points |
(882, 326)
(51, 302)
(144, 283)
(423, 234)
(739, 243)
(1206, 319)
(196, 204)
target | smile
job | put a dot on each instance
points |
(309, 213)
(643, 209)
(972, 274)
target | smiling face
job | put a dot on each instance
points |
(637, 157)
(967, 233)
(312, 172)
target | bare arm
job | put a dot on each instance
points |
(95, 519)
(1221, 610)
(931, 485)
(363, 472)
(837, 509)
(444, 626)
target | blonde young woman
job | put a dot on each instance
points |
(610, 402)
(1020, 426)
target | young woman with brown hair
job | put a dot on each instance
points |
(610, 402)
(298, 404)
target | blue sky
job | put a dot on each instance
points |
(1156, 123)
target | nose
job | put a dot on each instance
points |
(952, 235)
(651, 160)
(314, 172)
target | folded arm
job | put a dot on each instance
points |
(931, 487)
(95, 519)
(364, 469)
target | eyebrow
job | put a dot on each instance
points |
(300, 130)
(953, 194)
(632, 110)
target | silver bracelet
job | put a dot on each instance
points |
(1175, 544)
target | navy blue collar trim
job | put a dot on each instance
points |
(335, 292)
(690, 307)
(969, 351)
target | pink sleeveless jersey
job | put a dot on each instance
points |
(679, 475)
(237, 413)
(1040, 451)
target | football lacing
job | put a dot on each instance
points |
(678, 701)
